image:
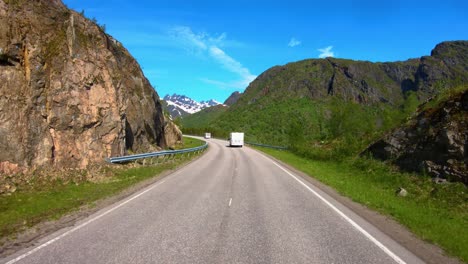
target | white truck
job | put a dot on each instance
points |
(207, 135)
(236, 139)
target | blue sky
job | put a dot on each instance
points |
(209, 49)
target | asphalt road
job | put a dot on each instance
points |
(233, 205)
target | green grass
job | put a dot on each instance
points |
(302, 121)
(191, 143)
(441, 98)
(53, 199)
(436, 213)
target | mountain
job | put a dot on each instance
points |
(204, 117)
(181, 105)
(233, 98)
(340, 101)
(361, 81)
(70, 94)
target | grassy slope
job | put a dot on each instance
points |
(304, 122)
(436, 213)
(51, 200)
(204, 117)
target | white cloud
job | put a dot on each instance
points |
(205, 44)
(224, 85)
(326, 52)
(294, 42)
(218, 40)
(232, 85)
(188, 39)
(232, 65)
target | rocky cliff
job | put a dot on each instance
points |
(173, 135)
(70, 95)
(435, 141)
(362, 81)
(233, 98)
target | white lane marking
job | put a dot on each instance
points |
(230, 201)
(82, 225)
(349, 220)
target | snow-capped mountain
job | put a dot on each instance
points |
(181, 105)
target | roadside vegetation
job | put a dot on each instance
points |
(304, 122)
(437, 213)
(47, 197)
(326, 140)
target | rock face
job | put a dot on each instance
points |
(70, 95)
(364, 82)
(173, 135)
(435, 141)
(233, 98)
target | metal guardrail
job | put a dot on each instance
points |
(266, 146)
(155, 154)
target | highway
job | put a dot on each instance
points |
(232, 205)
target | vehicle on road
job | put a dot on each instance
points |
(207, 135)
(236, 139)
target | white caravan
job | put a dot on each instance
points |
(236, 139)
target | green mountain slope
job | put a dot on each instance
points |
(324, 99)
(363, 82)
(203, 118)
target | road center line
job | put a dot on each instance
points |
(82, 225)
(349, 220)
(230, 201)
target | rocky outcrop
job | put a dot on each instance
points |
(435, 141)
(233, 98)
(70, 95)
(362, 81)
(172, 134)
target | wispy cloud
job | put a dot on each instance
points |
(294, 42)
(232, 65)
(210, 46)
(189, 40)
(220, 84)
(326, 52)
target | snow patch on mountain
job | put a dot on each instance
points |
(180, 105)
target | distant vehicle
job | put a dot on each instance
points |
(236, 139)
(207, 135)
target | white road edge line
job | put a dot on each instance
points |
(230, 201)
(349, 220)
(82, 225)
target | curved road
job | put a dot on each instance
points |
(233, 205)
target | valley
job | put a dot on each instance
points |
(361, 140)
